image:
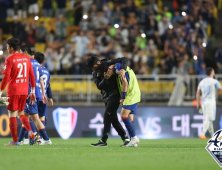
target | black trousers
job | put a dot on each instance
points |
(110, 117)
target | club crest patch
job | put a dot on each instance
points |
(214, 147)
(65, 120)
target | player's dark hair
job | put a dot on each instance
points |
(91, 61)
(27, 49)
(209, 70)
(39, 57)
(14, 43)
(102, 68)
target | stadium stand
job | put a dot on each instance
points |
(158, 37)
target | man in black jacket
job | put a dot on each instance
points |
(111, 96)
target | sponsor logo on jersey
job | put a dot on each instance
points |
(65, 120)
(17, 81)
(214, 147)
(4, 67)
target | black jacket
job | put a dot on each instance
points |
(109, 86)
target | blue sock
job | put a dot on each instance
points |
(32, 124)
(26, 135)
(22, 133)
(43, 122)
(133, 127)
(129, 126)
(43, 133)
(133, 124)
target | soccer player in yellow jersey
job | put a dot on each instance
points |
(130, 96)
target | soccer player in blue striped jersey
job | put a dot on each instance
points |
(32, 109)
(46, 79)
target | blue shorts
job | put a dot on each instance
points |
(132, 107)
(31, 109)
(42, 109)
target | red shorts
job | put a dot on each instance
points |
(17, 102)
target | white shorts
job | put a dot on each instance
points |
(34, 9)
(209, 110)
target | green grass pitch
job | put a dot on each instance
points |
(77, 154)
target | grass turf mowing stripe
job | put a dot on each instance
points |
(76, 153)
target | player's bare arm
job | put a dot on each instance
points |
(124, 88)
(220, 90)
(32, 81)
(44, 99)
(198, 99)
(51, 102)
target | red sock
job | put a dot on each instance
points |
(25, 122)
(13, 128)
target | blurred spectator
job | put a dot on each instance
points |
(61, 10)
(104, 42)
(143, 13)
(152, 7)
(179, 70)
(16, 27)
(33, 7)
(131, 20)
(58, 59)
(51, 37)
(81, 42)
(186, 64)
(107, 12)
(98, 20)
(66, 61)
(176, 17)
(167, 13)
(163, 25)
(151, 26)
(116, 15)
(30, 29)
(98, 4)
(22, 10)
(140, 43)
(161, 68)
(200, 68)
(3, 13)
(130, 7)
(47, 8)
(93, 47)
(10, 8)
(41, 32)
(154, 39)
(78, 8)
(218, 58)
(170, 61)
(61, 25)
(92, 11)
(49, 58)
(84, 24)
(124, 33)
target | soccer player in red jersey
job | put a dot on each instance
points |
(17, 70)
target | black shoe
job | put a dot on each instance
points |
(100, 143)
(125, 143)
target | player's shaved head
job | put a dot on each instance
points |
(39, 57)
(13, 43)
(26, 48)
